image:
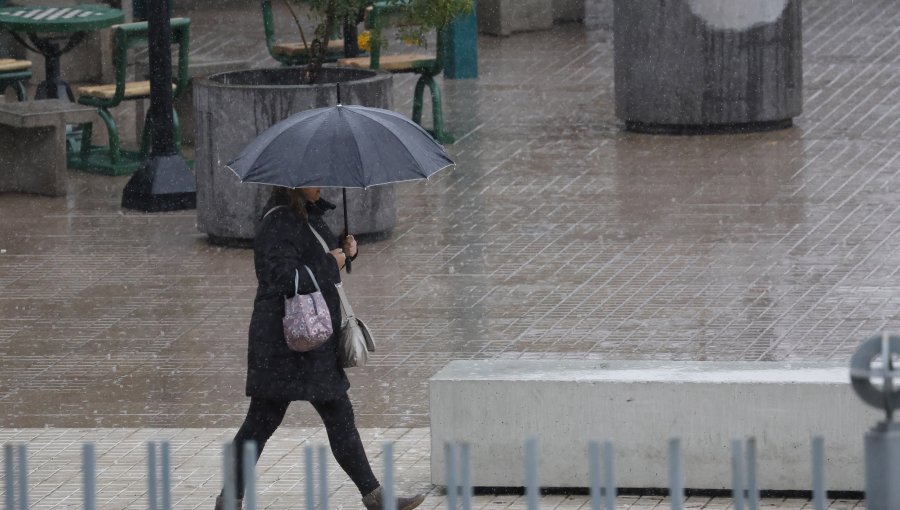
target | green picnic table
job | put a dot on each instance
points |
(63, 29)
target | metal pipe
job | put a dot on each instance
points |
(752, 483)
(676, 477)
(594, 466)
(23, 476)
(465, 460)
(323, 477)
(89, 476)
(310, 480)
(166, 487)
(737, 474)
(452, 486)
(610, 469)
(229, 493)
(390, 501)
(249, 468)
(818, 472)
(151, 476)
(531, 473)
(9, 476)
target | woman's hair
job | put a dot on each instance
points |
(290, 197)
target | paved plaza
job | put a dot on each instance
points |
(557, 236)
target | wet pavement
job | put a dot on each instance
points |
(557, 236)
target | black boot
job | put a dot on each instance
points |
(375, 501)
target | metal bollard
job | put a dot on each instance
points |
(676, 475)
(610, 482)
(89, 476)
(752, 484)
(229, 493)
(249, 468)
(9, 476)
(533, 488)
(465, 476)
(310, 479)
(882, 442)
(737, 474)
(452, 486)
(323, 477)
(23, 476)
(390, 500)
(594, 464)
(151, 476)
(818, 473)
(166, 476)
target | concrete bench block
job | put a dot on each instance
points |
(568, 10)
(495, 405)
(503, 17)
(33, 144)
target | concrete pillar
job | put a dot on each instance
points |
(707, 65)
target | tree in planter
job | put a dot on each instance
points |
(419, 17)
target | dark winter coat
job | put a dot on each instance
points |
(283, 244)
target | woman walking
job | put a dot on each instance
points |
(277, 375)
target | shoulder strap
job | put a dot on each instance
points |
(340, 288)
(272, 209)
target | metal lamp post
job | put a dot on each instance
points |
(882, 443)
(164, 182)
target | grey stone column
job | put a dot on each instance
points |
(707, 65)
(232, 108)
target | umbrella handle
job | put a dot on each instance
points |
(347, 264)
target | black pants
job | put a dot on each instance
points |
(264, 416)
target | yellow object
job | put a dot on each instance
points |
(364, 41)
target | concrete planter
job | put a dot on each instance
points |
(695, 65)
(232, 108)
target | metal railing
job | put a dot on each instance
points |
(872, 375)
(460, 492)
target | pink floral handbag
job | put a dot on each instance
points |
(307, 321)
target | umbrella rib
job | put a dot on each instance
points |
(408, 151)
(358, 159)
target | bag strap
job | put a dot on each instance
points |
(339, 286)
(297, 279)
(272, 209)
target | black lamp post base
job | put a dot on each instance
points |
(163, 183)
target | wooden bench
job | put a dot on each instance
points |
(14, 73)
(33, 144)
(495, 405)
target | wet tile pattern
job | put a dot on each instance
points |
(558, 236)
(55, 477)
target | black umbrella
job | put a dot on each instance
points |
(340, 147)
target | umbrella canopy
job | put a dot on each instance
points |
(340, 146)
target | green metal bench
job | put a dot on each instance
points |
(293, 53)
(14, 73)
(425, 65)
(112, 159)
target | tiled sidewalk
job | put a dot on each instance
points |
(55, 476)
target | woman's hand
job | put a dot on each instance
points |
(339, 257)
(350, 246)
